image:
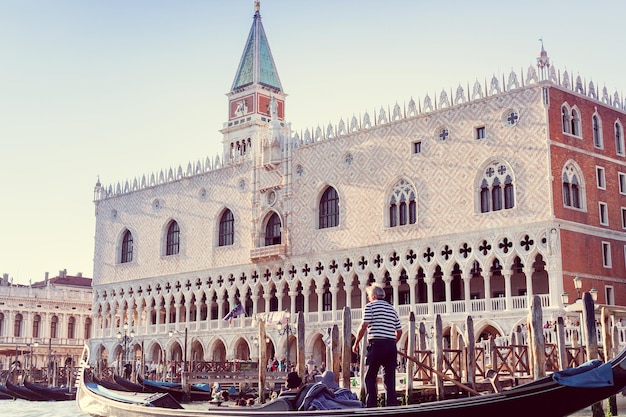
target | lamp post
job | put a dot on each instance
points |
(578, 284)
(126, 338)
(172, 333)
(286, 329)
(29, 361)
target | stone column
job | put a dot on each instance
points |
(528, 271)
(447, 282)
(429, 293)
(292, 297)
(348, 289)
(467, 296)
(412, 296)
(507, 289)
(333, 291)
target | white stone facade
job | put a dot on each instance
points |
(47, 320)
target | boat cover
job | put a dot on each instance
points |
(320, 397)
(592, 374)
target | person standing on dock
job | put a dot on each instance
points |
(381, 321)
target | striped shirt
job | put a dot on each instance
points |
(383, 320)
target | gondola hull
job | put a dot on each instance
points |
(52, 394)
(24, 393)
(176, 391)
(544, 397)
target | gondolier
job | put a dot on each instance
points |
(381, 321)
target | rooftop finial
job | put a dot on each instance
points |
(257, 6)
(543, 62)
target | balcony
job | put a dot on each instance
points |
(268, 253)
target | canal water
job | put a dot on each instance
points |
(21, 408)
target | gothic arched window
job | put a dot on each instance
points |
(619, 138)
(272, 231)
(402, 205)
(127, 247)
(172, 244)
(329, 209)
(573, 187)
(565, 118)
(496, 189)
(226, 229)
(575, 122)
(596, 125)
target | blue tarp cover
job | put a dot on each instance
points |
(590, 374)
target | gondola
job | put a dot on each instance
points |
(52, 393)
(109, 384)
(24, 393)
(5, 394)
(130, 385)
(555, 395)
(195, 394)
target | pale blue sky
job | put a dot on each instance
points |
(125, 88)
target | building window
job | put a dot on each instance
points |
(226, 229)
(36, 325)
(53, 327)
(621, 179)
(172, 243)
(1, 324)
(402, 205)
(417, 147)
(609, 295)
(619, 138)
(573, 187)
(443, 134)
(272, 231)
(127, 247)
(327, 301)
(603, 212)
(480, 132)
(511, 117)
(329, 209)
(71, 325)
(87, 333)
(601, 178)
(623, 217)
(575, 122)
(606, 254)
(496, 190)
(596, 126)
(566, 118)
(17, 325)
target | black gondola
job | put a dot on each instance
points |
(53, 394)
(24, 393)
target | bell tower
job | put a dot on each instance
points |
(256, 100)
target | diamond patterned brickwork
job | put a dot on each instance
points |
(443, 175)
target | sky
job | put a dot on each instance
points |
(115, 89)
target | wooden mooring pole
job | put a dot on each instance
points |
(262, 360)
(591, 340)
(410, 366)
(301, 358)
(537, 344)
(438, 339)
(471, 352)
